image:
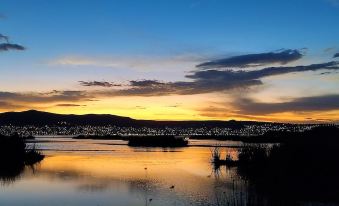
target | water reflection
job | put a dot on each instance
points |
(10, 172)
(73, 173)
(15, 156)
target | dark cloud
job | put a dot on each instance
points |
(208, 81)
(230, 75)
(251, 60)
(302, 104)
(8, 46)
(252, 109)
(98, 84)
(146, 83)
(143, 90)
(336, 55)
(187, 88)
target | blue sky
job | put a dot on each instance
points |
(71, 41)
(160, 27)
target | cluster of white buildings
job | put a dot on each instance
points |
(247, 130)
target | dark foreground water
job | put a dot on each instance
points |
(108, 172)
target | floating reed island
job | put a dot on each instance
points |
(143, 140)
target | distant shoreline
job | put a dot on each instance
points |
(268, 137)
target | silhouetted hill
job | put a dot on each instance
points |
(33, 117)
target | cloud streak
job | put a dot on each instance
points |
(199, 82)
(212, 81)
(7, 105)
(98, 84)
(229, 75)
(336, 55)
(253, 60)
(302, 104)
(29, 100)
(47, 97)
(9, 46)
(70, 105)
(268, 111)
(132, 62)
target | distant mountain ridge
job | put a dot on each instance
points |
(33, 117)
(39, 118)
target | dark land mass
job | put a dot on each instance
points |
(38, 118)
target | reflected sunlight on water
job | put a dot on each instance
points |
(108, 172)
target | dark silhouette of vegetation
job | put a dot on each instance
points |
(15, 154)
(303, 167)
(218, 161)
(142, 140)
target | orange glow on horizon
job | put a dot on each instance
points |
(177, 107)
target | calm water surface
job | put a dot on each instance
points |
(108, 172)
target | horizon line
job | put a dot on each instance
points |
(188, 120)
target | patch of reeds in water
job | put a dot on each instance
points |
(15, 155)
(303, 169)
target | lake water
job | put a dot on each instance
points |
(108, 172)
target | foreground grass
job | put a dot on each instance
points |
(303, 168)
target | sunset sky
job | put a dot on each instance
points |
(172, 60)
